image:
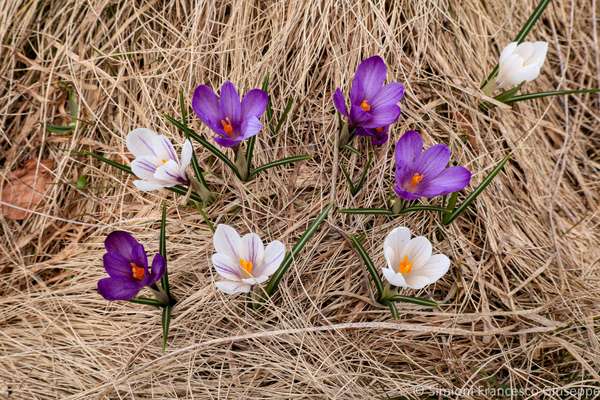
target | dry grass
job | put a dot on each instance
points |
(520, 301)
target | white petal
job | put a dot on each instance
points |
(252, 249)
(227, 241)
(416, 281)
(434, 268)
(255, 280)
(525, 50)
(164, 149)
(227, 267)
(507, 52)
(140, 142)
(394, 243)
(186, 154)
(272, 259)
(231, 287)
(144, 167)
(418, 251)
(169, 173)
(540, 52)
(147, 186)
(393, 277)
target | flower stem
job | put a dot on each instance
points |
(392, 306)
(241, 162)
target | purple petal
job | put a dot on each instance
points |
(254, 103)
(368, 80)
(382, 116)
(159, 267)
(116, 266)
(408, 148)
(230, 103)
(403, 174)
(119, 288)
(380, 136)
(404, 194)
(250, 127)
(448, 181)
(433, 160)
(340, 102)
(206, 106)
(122, 243)
(390, 94)
(226, 141)
(139, 257)
(358, 117)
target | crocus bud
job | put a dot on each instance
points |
(520, 63)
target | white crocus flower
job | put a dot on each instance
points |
(156, 163)
(243, 261)
(520, 63)
(410, 263)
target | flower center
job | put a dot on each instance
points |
(227, 127)
(365, 105)
(163, 162)
(416, 179)
(137, 271)
(246, 266)
(405, 266)
(379, 130)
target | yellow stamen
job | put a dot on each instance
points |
(416, 179)
(163, 162)
(405, 265)
(227, 127)
(246, 266)
(365, 105)
(137, 271)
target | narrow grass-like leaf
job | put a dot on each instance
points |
(60, 129)
(183, 110)
(289, 258)
(166, 324)
(360, 250)
(82, 182)
(205, 216)
(73, 106)
(450, 206)
(162, 249)
(414, 300)
(190, 133)
(363, 176)
(146, 301)
(250, 153)
(366, 211)
(470, 198)
(537, 13)
(278, 163)
(283, 116)
(348, 179)
(352, 149)
(531, 96)
(392, 306)
(265, 88)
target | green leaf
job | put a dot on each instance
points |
(265, 88)
(183, 110)
(530, 96)
(537, 13)
(59, 129)
(360, 250)
(367, 211)
(166, 324)
(283, 116)
(392, 306)
(162, 249)
(82, 182)
(289, 258)
(73, 105)
(470, 198)
(250, 153)
(450, 206)
(205, 216)
(356, 187)
(278, 163)
(190, 133)
(352, 149)
(146, 301)
(414, 300)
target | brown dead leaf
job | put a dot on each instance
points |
(25, 189)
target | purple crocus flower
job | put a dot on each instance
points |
(373, 104)
(231, 119)
(424, 173)
(126, 263)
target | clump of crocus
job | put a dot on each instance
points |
(156, 163)
(410, 263)
(231, 119)
(520, 63)
(373, 104)
(126, 264)
(243, 261)
(425, 173)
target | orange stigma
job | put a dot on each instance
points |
(227, 127)
(379, 130)
(365, 105)
(416, 179)
(246, 266)
(405, 266)
(137, 271)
